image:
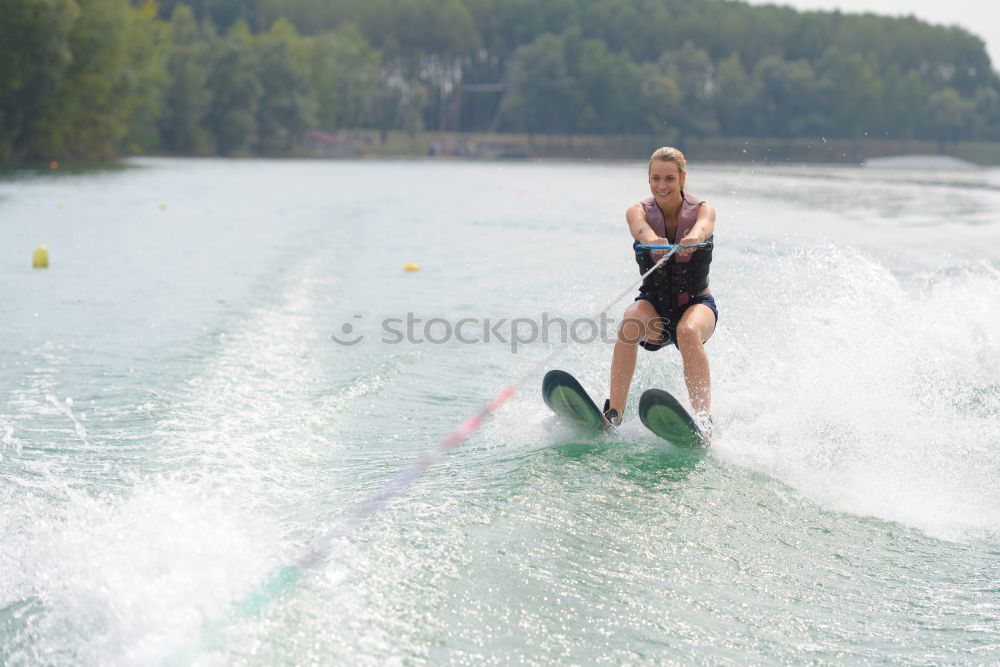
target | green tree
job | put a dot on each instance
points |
(33, 60)
(733, 98)
(694, 73)
(103, 88)
(658, 101)
(236, 91)
(344, 73)
(950, 117)
(856, 94)
(386, 112)
(905, 104)
(988, 107)
(541, 96)
(148, 79)
(791, 99)
(221, 13)
(187, 96)
(397, 105)
(284, 110)
(609, 84)
(414, 102)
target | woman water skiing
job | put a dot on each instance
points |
(674, 303)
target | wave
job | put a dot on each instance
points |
(869, 392)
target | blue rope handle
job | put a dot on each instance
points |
(704, 244)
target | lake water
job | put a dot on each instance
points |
(178, 422)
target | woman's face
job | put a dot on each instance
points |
(665, 183)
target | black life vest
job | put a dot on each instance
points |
(681, 279)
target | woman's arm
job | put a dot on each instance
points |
(640, 229)
(703, 228)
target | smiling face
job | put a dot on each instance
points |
(666, 181)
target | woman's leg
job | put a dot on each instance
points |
(696, 326)
(641, 323)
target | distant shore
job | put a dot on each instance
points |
(354, 144)
(368, 143)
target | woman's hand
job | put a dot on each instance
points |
(657, 240)
(690, 239)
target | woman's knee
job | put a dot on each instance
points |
(696, 326)
(637, 323)
(688, 334)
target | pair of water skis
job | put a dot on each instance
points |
(660, 412)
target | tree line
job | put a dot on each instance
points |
(100, 78)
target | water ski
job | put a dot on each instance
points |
(663, 415)
(568, 399)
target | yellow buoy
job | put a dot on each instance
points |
(40, 258)
(412, 266)
(163, 207)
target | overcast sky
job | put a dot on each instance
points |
(980, 17)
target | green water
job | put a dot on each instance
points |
(178, 426)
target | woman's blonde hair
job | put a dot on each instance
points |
(669, 154)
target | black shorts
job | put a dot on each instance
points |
(671, 316)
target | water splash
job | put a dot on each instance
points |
(866, 391)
